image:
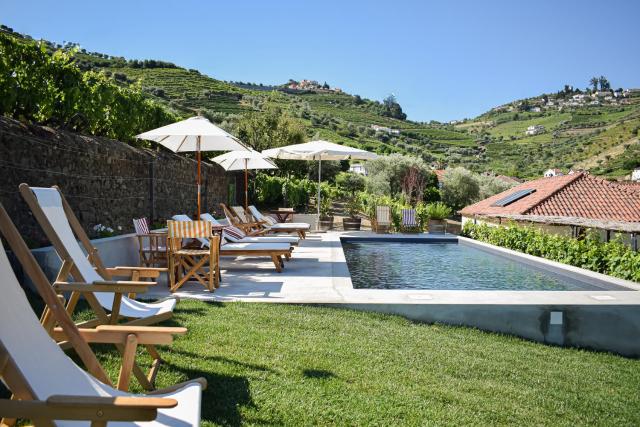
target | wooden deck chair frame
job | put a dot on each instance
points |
(410, 228)
(252, 228)
(299, 231)
(80, 289)
(63, 329)
(152, 247)
(95, 409)
(275, 255)
(384, 226)
(188, 263)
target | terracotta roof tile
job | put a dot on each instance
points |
(577, 195)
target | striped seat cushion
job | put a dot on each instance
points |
(141, 225)
(409, 218)
(233, 234)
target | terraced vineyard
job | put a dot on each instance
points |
(602, 138)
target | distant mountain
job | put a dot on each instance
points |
(568, 129)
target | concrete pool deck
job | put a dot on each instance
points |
(318, 274)
(605, 319)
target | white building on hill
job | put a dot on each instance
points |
(534, 130)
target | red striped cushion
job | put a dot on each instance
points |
(233, 234)
(141, 225)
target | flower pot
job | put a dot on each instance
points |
(325, 223)
(351, 223)
(437, 226)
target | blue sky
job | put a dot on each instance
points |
(443, 60)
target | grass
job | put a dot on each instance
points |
(291, 364)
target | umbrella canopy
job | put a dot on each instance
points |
(194, 134)
(240, 160)
(244, 160)
(319, 150)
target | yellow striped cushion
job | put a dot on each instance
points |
(189, 229)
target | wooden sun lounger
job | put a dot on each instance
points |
(276, 251)
(271, 226)
(48, 386)
(91, 279)
(383, 219)
(251, 228)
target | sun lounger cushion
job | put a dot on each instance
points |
(51, 203)
(255, 247)
(233, 234)
(49, 371)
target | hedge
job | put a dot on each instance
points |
(613, 258)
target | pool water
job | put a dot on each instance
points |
(445, 266)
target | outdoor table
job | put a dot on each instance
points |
(283, 214)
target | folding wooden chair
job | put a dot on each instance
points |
(127, 337)
(193, 263)
(152, 247)
(383, 219)
(409, 221)
(96, 285)
(49, 388)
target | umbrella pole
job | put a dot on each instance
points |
(246, 187)
(318, 200)
(198, 155)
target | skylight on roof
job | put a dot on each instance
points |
(514, 197)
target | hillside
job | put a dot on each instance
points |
(593, 133)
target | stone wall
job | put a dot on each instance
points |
(106, 181)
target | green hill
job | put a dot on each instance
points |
(601, 136)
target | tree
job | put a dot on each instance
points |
(399, 174)
(391, 108)
(325, 85)
(594, 83)
(459, 188)
(604, 83)
(270, 128)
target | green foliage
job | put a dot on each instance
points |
(41, 87)
(460, 188)
(269, 128)
(438, 211)
(349, 182)
(269, 189)
(354, 205)
(613, 258)
(396, 174)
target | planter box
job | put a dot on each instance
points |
(351, 224)
(437, 226)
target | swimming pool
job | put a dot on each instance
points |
(447, 266)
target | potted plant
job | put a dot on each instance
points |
(438, 213)
(325, 222)
(353, 208)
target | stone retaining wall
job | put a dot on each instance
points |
(106, 181)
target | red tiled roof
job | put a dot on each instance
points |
(578, 195)
(440, 174)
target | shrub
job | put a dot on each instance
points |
(349, 182)
(438, 211)
(38, 86)
(460, 188)
(613, 258)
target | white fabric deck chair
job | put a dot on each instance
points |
(49, 202)
(45, 381)
(244, 238)
(276, 251)
(383, 219)
(279, 227)
(54, 216)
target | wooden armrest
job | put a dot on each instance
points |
(117, 334)
(87, 408)
(143, 272)
(116, 286)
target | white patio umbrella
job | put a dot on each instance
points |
(194, 134)
(319, 150)
(239, 160)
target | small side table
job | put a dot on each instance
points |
(283, 214)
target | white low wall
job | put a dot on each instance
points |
(117, 250)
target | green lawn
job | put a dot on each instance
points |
(290, 364)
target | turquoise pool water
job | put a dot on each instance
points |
(445, 266)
